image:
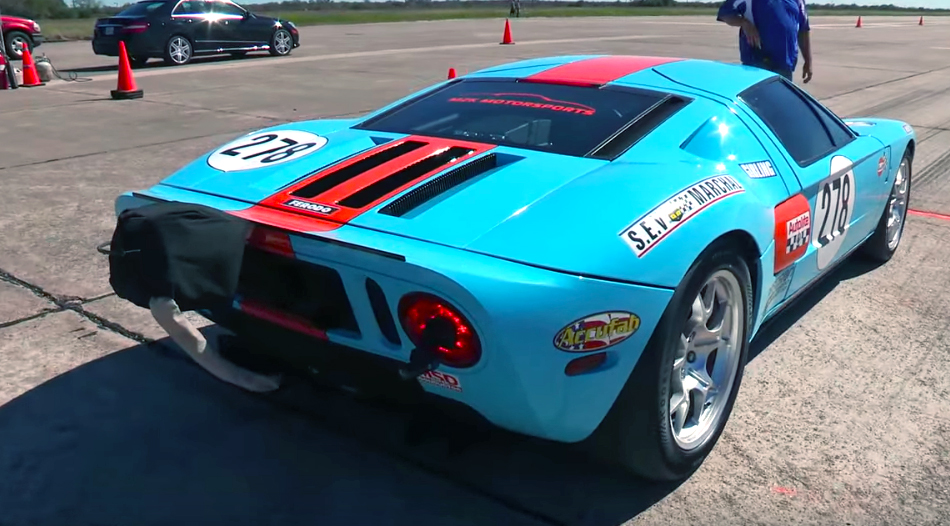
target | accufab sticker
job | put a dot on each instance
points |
(265, 149)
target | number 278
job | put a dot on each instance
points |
(841, 188)
(289, 148)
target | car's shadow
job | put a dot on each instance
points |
(143, 436)
(159, 63)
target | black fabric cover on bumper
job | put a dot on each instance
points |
(188, 252)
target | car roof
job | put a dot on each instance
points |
(719, 78)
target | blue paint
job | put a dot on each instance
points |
(536, 243)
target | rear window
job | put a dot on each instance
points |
(141, 9)
(568, 120)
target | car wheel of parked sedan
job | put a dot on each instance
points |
(178, 51)
(676, 403)
(883, 243)
(281, 43)
(14, 41)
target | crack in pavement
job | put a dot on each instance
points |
(72, 303)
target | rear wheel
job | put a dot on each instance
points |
(178, 51)
(15, 40)
(281, 43)
(676, 403)
(883, 243)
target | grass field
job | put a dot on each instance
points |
(81, 29)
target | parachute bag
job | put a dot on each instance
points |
(188, 252)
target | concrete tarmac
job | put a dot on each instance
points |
(842, 414)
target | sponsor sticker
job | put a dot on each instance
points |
(881, 165)
(758, 170)
(265, 149)
(440, 379)
(908, 129)
(311, 207)
(648, 231)
(792, 231)
(597, 331)
(526, 100)
(834, 208)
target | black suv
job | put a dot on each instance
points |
(178, 30)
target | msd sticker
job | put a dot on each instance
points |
(881, 165)
(792, 231)
(597, 331)
(758, 170)
(648, 231)
(440, 379)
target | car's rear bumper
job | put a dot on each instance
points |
(520, 383)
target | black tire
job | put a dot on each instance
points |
(138, 62)
(637, 433)
(179, 50)
(877, 248)
(12, 41)
(281, 43)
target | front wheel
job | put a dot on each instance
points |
(883, 243)
(675, 405)
(15, 42)
(178, 51)
(281, 43)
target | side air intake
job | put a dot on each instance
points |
(445, 182)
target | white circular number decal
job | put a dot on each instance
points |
(263, 149)
(834, 208)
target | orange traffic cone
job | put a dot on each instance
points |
(921, 21)
(31, 78)
(506, 39)
(859, 22)
(126, 88)
(451, 73)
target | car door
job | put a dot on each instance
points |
(838, 171)
(192, 19)
(230, 26)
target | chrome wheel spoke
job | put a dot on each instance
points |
(706, 360)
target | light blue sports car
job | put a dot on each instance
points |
(577, 248)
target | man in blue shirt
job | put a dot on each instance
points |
(770, 34)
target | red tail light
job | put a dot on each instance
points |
(433, 322)
(273, 241)
(136, 28)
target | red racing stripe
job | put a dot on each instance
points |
(597, 71)
(330, 198)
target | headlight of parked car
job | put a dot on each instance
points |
(36, 27)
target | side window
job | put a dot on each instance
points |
(192, 7)
(791, 119)
(224, 8)
(840, 134)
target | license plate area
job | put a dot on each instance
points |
(311, 292)
(109, 30)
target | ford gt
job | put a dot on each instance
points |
(576, 248)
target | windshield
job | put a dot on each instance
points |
(140, 9)
(568, 120)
